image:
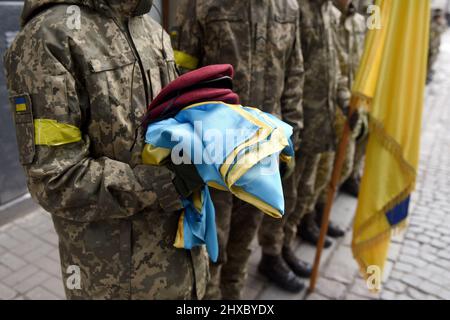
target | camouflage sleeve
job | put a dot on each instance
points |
(292, 98)
(187, 36)
(343, 94)
(54, 147)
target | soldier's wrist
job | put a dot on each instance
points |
(159, 181)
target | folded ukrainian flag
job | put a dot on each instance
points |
(235, 149)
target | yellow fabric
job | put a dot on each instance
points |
(197, 199)
(185, 60)
(276, 143)
(21, 107)
(392, 78)
(284, 158)
(366, 79)
(152, 155)
(258, 203)
(52, 133)
(179, 238)
(217, 186)
(259, 136)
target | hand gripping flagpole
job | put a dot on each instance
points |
(332, 189)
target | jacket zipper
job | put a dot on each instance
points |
(141, 65)
(132, 45)
(126, 30)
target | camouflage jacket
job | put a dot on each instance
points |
(351, 32)
(78, 90)
(260, 38)
(437, 27)
(323, 80)
(363, 5)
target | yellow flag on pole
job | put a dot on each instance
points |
(391, 80)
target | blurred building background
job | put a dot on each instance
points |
(12, 181)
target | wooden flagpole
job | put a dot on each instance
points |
(166, 14)
(332, 189)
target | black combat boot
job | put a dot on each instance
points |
(351, 187)
(310, 232)
(334, 231)
(300, 268)
(277, 271)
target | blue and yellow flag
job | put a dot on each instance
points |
(391, 80)
(235, 149)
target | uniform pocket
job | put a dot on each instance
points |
(285, 18)
(111, 62)
(111, 98)
(23, 118)
(161, 75)
(168, 72)
(282, 35)
(226, 32)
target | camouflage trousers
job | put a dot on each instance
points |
(327, 160)
(324, 172)
(305, 178)
(271, 233)
(307, 186)
(433, 52)
(237, 224)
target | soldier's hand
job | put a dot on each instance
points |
(353, 118)
(187, 179)
(158, 179)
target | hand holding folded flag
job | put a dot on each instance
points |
(246, 165)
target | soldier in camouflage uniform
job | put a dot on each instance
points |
(437, 28)
(349, 47)
(351, 37)
(261, 39)
(323, 81)
(362, 6)
(78, 92)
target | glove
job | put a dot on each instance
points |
(187, 180)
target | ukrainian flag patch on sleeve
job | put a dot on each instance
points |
(20, 104)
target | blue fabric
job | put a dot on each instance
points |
(200, 227)
(399, 213)
(20, 100)
(194, 130)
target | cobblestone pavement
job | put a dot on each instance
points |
(419, 260)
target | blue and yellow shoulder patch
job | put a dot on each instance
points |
(20, 103)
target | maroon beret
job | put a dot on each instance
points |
(193, 87)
